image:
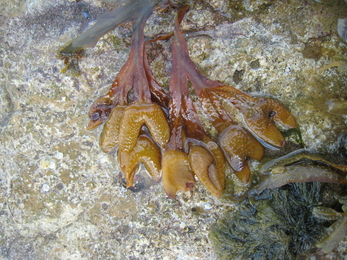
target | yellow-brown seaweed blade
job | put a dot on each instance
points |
(326, 213)
(261, 120)
(145, 152)
(177, 174)
(281, 114)
(210, 171)
(263, 127)
(134, 117)
(238, 145)
(219, 178)
(109, 136)
(244, 174)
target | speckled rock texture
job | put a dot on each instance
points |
(60, 195)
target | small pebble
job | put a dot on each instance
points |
(45, 188)
(44, 163)
(59, 155)
(47, 163)
(208, 206)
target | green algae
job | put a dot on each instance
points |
(238, 9)
(117, 42)
(313, 49)
(279, 224)
(294, 136)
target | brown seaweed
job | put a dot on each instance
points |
(259, 114)
(177, 174)
(140, 117)
(135, 124)
(290, 168)
(187, 134)
(297, 173)
(146, 152)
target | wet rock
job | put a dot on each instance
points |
(6, 107)
(86, 212)
(342, 28)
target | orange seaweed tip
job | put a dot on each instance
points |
(146, 152)
(276, 111)
(176, 173)
(244, 174)
(209, 168)
(137, 115)
(260, 120)
(238, 145)
(109, 136)
(265, 129)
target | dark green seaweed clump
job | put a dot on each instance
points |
(279, 224)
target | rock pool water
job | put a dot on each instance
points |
(60, 195)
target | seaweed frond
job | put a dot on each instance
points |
(337, 231)
(277, 225)
(129, 11)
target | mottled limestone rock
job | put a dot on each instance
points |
(60, 194)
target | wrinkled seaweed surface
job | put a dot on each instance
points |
(276, 225)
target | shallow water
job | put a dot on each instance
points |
(60, 194)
